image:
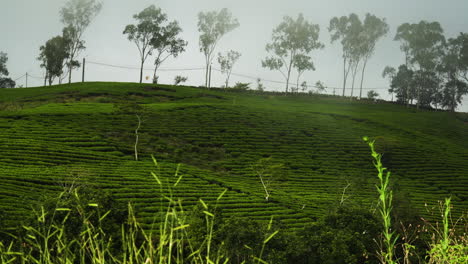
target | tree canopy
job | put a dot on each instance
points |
(52, 56)
(166, 43)
(77, 15)
(227, 63)
(213, 26)
(292, 42)
(5, 82)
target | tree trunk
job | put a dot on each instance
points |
(297, 82)
(419, 97)
(344, 75)
(141, 71)
(45, 79)
(69, 73)
(362, 79)
(289, 74)
(227, 80)
(206, 75)
(354, 78)
(136, 137)
(454, 103)
(155, 80)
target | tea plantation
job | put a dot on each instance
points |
(72, 135)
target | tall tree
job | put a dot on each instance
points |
(374, 28)
(453, 69)
(212, 26)
(347, 29)
(402, 85)
(52, 56)
(5, 82)
(292, 41)
(227, 63)
(390, 73)
(76, 16)
(423, 45)
(166, 43)
(146, 32)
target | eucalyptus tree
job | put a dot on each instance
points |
(77, 15)
(390, 73)
(402, 85)
(348, 30)
(52, 57)
(302, 63)
(5, 81)
(321, 87)
(166, 43)
(213, 26)
(453, 69)
(227, 63)
(292, 41)
(144, 33)
(423, 46)
(374, 28)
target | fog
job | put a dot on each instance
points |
(28, 24)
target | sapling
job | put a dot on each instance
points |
(385, 201)
(267, 171)
(137, 110)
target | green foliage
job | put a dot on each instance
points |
(260, 86)
(292, 41)
(348, 29)
(371, 94)
(5, 82)
(152, 34)
(77, 15)
(166, 43)
(241, 86)
(75, 126)
(53, 55)
(447, 247)
(213, 26)
(387, 252)
(344, 236)
(180, 79)
(320, 86)
(3, 67)
(227, 63)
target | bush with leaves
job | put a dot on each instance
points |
(343, 236)
(241, 86)
(179, 79)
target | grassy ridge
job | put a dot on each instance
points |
(52, 136)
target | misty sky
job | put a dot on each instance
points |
(28, 24)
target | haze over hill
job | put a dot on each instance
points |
(30, 23)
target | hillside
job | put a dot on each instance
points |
(53, 136)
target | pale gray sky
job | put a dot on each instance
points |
(27, 24)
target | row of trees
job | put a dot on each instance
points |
(435, 72)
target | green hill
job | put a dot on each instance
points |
(71, 134)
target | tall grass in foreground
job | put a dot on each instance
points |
(387, 254)
(49, 243)
(169, 241)
(446, 247)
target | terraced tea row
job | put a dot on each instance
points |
(218, 136)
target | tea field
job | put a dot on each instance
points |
(55, 137)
